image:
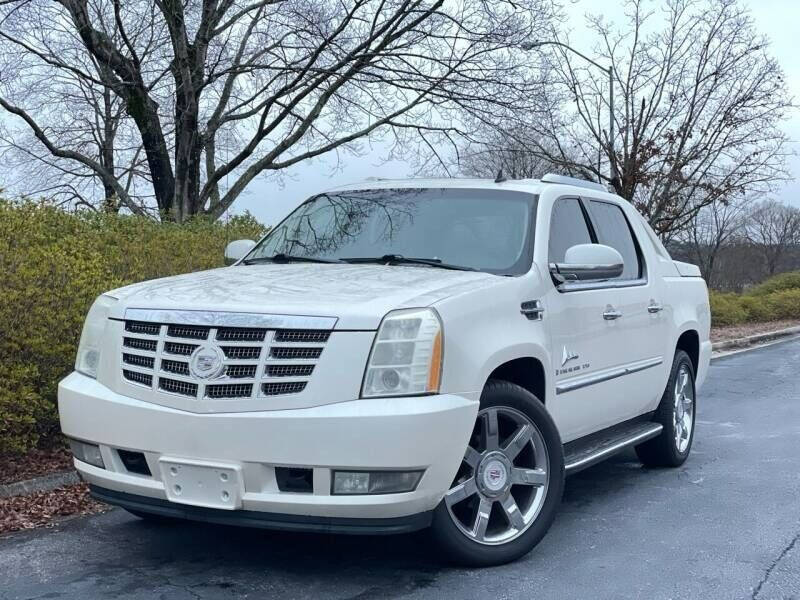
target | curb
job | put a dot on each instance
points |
(758, 338)
(44, 483)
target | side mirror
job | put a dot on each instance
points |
(237, 250)
(589, 262)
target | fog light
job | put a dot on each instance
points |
(375, 482)
(88, 453)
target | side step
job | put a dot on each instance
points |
(592, 449)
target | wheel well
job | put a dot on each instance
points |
(526, 372)
(689, 342)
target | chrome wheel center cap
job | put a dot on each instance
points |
(494, 475)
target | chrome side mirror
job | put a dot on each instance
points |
(589, 262)
(237, 250)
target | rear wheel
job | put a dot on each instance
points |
(676, 413)
(508, 487)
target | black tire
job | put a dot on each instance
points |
(153, 518)
(663, 451)
(455, 546)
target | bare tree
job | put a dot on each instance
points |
(178, 106)
(496, 151)
(699, 101)
(774, 228)
(713, 229)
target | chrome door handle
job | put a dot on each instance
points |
(654, 307)
(611, 313)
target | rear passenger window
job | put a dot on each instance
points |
(567, 228)
(613, 230)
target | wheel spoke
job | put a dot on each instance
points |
(686, 425)
(482, 519)
(684, 379)
(512, 512)
(472, 457)
(461, 492)
(518, 442)
(535, 477)
(491, 431)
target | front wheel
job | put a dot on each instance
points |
(507, 490)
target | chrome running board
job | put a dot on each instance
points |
(588, 451)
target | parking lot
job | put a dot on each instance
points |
(725, 525)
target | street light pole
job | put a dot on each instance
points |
(610, 71)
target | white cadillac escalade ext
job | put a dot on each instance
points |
(393, 356)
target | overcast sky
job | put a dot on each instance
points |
(269, 201)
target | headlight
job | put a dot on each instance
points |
(88, 357)
(406, 356)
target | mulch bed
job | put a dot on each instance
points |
(35, 463)
(722, 334)
(43, 508)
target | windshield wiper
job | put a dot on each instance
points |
(399, 259)
(287, 258)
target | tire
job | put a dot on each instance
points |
(666, 450)
(534, 480)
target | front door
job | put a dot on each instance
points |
(604, 338)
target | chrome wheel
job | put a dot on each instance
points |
(502, 482)
(683, 414)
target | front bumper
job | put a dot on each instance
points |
(426, 433)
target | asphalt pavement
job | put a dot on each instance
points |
(725, 525)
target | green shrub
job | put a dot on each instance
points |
(52, 266)
(784, 281)
(727, 309)
(736, 309)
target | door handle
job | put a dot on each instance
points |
(654, 308)
(611, 313)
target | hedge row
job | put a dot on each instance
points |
(52, 266)
(777, 298)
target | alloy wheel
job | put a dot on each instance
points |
(503, 479)
(683, 414)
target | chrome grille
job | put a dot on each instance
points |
(277, 389)
(299, 335)
(256, 362)
(175, 366)
(229, 390)
(176, 348)
(242, 352)
(174, 386)
(241, 371)
(283, 353)
(188, 331)
(145, 328)
(240, 334)
(289, 370)
(136, 377)
(139, 344)
(138, 361)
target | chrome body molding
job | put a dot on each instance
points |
(578, 286)
(577, 383)
(229, 319)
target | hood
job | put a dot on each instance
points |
(357, 295)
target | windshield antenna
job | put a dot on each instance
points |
(500, 177)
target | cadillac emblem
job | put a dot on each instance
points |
(206, 362)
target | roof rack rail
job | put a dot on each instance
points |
(563, 179)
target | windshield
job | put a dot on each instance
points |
(487, 230)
